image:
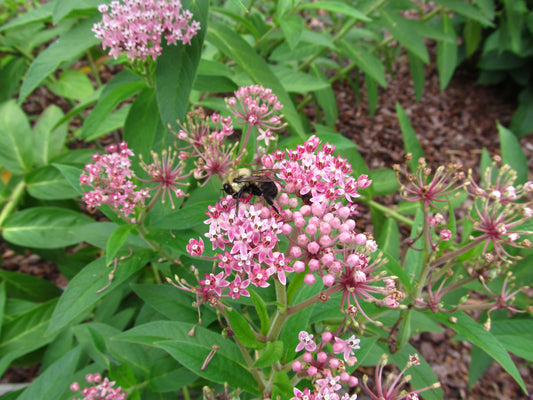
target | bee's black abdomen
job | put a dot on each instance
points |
(269, 189)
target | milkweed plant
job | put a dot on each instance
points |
(223, 295)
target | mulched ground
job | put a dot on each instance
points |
(455, 124)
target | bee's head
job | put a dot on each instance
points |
(228, 188)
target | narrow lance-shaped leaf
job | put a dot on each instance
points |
(446, 53)
(15, 139)
(234, 46)
(176, 70)
(66, 48)
(410, 141)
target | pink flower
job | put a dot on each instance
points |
(306, 342)
(103, 390)
(346, 346)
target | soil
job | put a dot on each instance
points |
(455, 124)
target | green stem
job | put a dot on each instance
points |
(186, 394)
(281, 314)
(94, 69)
(13, 201)
(387, 211)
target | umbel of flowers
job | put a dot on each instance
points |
(314, 225)
(136, 28)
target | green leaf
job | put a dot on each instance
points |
(176, 70)
(516, 335)
(83, 291)
(418, 75)
(3, 297)
(325, 97)
(292, 27)
(55, 381)
(10, 77)
(474, 332)
(173, 303)
(372, 95)
(25, 334)
(183, 218)
(336, 7)
(47, 183)
(143, 124)
(72, 84)
(28, 287)
(167, 375)
(45, 227)
(261, 309)
(107, 102)
(472, 36)
(365, 60)
(396, 269)
(241, 327)
(400, 29)
(72, 175)
(389, 240)
(65, 7)
(271, 354)
(38, 14)
(446, 53)
(384, 181)
(415, 258)
(116, 241)
(234, 46)
(67, 48)
(479, 363)
(298, 82)
(410, 141)
(227, 364)
(467, 10)
(522, 122)
(513, 154)
(48, 137)
(15, 138)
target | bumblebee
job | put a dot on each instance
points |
(243, 181)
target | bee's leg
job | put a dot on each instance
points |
(270, 203)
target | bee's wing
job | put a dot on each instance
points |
(260, 175)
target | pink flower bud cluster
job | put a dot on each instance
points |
(100, 391)
(110, 178)
(206, 146)
(314, 174)
(257, 106)
(321, 365)
(136, 27)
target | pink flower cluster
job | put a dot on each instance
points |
(393, 387)
(206, 144)
(136, 27)
(103, 390)
(110, 179)
(501, 208)
(247, 238)
(320, 234)
(323, 368)
(314, 174)
(257, 106)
